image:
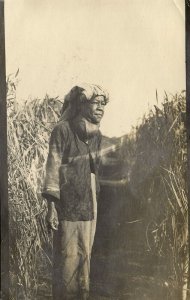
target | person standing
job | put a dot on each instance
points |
(71, 189)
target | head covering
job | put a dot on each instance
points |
(78, 94)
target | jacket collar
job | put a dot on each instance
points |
(84, 129)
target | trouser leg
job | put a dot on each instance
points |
(56, 274)
(86, 239)
(72, 253)
(70, 259)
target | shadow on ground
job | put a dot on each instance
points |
(121, 265)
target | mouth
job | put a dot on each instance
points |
(99, 115)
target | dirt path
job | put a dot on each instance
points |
(127, 274)
(122, 268)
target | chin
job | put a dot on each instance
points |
(96, 121)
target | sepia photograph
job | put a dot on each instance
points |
(96, 150)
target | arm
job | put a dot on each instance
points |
(99, 158)
(51, 191)
(52, 217)
(114, 183)
(99, 141)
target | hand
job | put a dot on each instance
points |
(52, 217)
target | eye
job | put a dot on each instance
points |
(95, 102)
(98, 103)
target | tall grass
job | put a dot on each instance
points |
(28, 135)
(155, 160)
(158, 179)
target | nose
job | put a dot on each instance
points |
(101, 104)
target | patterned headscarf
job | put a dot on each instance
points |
(78, 94)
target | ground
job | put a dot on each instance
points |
(122, 265)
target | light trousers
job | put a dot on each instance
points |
(72, 252)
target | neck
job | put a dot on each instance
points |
(85, 129)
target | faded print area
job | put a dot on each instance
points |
(137, 51)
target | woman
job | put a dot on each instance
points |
(71, 189)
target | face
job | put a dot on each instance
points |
(93, 110)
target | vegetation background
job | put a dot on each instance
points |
(151, 164)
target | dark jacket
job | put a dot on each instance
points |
(68, 170)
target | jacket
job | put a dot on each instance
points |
(69, 164)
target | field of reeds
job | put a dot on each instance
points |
(30, 245)
(156, 155)
(155, 158)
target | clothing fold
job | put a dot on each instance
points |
(72, 253)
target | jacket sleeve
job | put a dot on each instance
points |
(98, 157)
(51, 190)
